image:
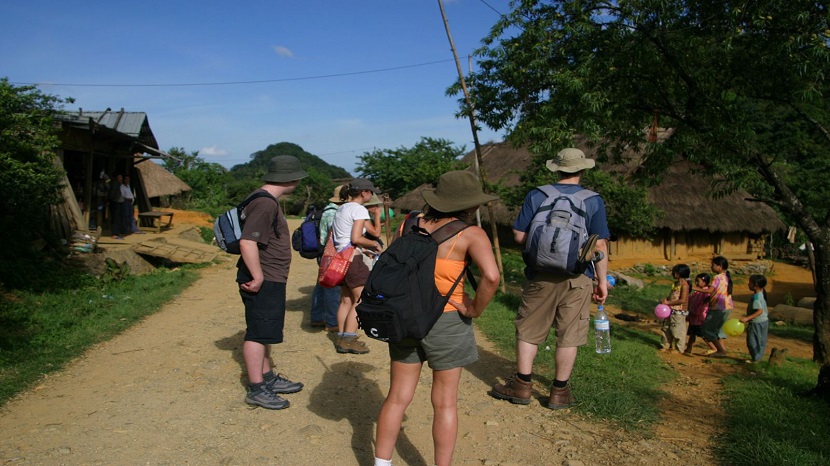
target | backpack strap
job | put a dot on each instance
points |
(410, 225)
(444, 233)
(448, 230)
(257, 195)
(551, 191)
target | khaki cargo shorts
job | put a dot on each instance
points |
(557, 301)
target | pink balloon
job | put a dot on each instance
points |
(661, 311)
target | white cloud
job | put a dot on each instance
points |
(283, 51)
(212, 151)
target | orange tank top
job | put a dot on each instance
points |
(446, 273)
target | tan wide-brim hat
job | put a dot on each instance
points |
(283, 169)
(374, 200)
(457, 190)
(570, 160)
(335, 197)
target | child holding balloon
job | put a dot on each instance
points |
(720, 306)
(757, 318)
(698, 307)
(674, 327)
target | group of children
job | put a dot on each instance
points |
(700, 309)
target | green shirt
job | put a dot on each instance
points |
(325, 222)
(758, 302)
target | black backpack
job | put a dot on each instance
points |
(306, 238)
(400, 299)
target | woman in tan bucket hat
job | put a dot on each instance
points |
(450, 344)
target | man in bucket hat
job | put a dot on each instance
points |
(557, 299)
(261, 276)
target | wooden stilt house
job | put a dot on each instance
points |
(96, 146)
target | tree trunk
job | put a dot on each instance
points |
(821, 318)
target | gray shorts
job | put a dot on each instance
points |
(450, 344)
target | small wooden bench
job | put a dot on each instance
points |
(156, 221)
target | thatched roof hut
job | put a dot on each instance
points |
(692, 222)
(157, 181)
(503, 164)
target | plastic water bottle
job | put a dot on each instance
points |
(603, 331)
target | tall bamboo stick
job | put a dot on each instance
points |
(481, 174)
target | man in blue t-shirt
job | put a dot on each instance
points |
(557, 300)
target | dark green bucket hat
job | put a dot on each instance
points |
(456, 191)
(284, 168)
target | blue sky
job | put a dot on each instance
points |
(319, 60)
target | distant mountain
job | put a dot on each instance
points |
(258, 164)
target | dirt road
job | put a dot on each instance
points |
(170, 391)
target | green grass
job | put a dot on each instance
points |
(623, 386)
(768, 423)
(207, 234)
(793, 332)
(43, 327)
(632, 300)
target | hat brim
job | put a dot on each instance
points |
(583, 165)
(335, 200)
(455, 205)
(284, 177)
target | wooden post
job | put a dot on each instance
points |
(386, 219)
(673, 246)
(481, 174)
(88, 190)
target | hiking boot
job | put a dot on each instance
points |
(515, 391)
(266, 398)
(560, 398)
(351, 345)
(279, 384)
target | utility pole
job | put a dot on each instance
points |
(479, 162)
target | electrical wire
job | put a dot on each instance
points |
(235, 83)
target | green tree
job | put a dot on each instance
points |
(214, 190)
(29, 178)
(398, 171)
(742, 85)
(314, 190)
(180, 160)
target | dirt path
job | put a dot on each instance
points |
(170, 391)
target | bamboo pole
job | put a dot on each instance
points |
(481, 174)
(386, 219)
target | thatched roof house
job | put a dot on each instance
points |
(692, 224)
(157, 181)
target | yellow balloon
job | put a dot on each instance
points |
(733, 327)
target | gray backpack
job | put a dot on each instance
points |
(558, 233)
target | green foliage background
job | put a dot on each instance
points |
(29, 179)
(398, 171)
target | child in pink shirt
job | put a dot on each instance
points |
(698, 307)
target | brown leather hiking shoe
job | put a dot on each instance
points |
(515, 390)
(560, 398)
(351, 345)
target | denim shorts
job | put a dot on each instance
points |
(450, 344)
